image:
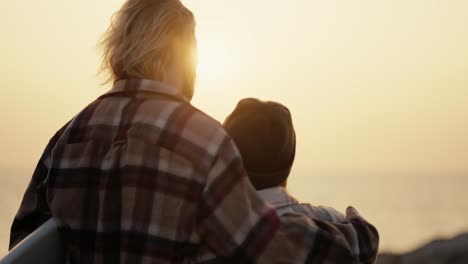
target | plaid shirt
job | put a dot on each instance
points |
(284, 203)
(141, 176)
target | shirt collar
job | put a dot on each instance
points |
(277, 196)
(146, 85)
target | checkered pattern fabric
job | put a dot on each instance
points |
(141, 176)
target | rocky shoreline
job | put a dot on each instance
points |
(440, 251)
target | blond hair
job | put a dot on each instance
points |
(143, 38)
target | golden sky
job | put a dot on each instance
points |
(375, 87)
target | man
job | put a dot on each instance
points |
(141, 176)
(265, 136)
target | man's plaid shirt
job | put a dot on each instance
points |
(141, 176)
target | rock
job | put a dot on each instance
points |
(451, 251)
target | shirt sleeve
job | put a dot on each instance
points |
(239, 227)
(308, 240)
(34, 209)
(334, 215)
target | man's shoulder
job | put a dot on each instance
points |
(322, 213)
(284, 203)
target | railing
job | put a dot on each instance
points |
(43, 246)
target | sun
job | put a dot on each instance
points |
(213, 60)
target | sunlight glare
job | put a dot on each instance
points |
(213, 60)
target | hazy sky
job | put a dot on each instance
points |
(375, 87)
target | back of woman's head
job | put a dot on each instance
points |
(144, 37)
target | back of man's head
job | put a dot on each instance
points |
(264, 134)
(144, 39)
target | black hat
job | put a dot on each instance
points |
(265, 137)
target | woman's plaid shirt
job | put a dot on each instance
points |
(141, 176)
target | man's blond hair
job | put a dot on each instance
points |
(143, 37)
